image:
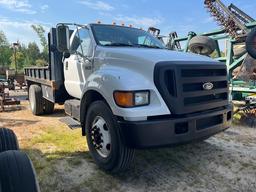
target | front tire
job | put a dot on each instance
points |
(104, 139)
(17, 173)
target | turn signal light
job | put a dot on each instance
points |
(131, 98)
(123, 99)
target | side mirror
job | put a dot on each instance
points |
(62, 38)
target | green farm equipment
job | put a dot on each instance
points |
(237, 37)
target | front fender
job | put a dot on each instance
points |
(108, 79)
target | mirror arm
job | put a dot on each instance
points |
(84, 56)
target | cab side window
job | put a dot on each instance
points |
(82, 43)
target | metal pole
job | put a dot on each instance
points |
(15, 60)
(191, 34)
(15, 47)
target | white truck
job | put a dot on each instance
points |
(127, 91)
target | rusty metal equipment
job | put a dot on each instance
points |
(5, 99)
(154, 31)
(235, 22)
(231, 18)
(15, 79)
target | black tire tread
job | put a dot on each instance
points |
(17, 172)
(127, 157)
(8, 140)
(249, 46)
(205, 41)
(48, 106)
(39, 105)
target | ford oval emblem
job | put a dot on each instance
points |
(208, 86)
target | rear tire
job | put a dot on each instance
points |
(48, 106)
(17, 173)
(36, 100)
(8, 140)
(119, 156)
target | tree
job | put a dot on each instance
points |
(5, 54)
(33, 52)
(19, 60)
(41, 34)
(25, 55)
(5, 51)
(41, 63)
(3, 39)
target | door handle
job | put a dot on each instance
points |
(66, 65)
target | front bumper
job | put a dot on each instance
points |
(173, 131)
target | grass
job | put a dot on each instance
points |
(64, 140)
(63, 163)
(54, 146)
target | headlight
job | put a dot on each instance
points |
(131, 98)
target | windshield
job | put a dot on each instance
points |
(111, 35)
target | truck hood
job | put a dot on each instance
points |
(148, 55)
(135, 62)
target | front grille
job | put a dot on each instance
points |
(181, 86)
(203, 72)
(187, 87)
(204, 99)
(169, 79)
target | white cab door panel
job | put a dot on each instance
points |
(77, 67)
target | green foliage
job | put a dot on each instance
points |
(5, 54)
(3, 39)
(41, 34)
(33, 52)
(5, 51)
(41, 62)
(19, 60)
(26, 56)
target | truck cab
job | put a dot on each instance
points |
(128, 91)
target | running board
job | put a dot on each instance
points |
(70, 122)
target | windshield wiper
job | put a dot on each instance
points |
(119, 44)
(148, 46)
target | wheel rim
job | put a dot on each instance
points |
(100, 137)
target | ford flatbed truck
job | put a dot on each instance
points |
(127, 91)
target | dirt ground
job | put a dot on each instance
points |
(225, 162)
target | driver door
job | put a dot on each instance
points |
(78, 67)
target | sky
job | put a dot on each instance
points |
(16, 16)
